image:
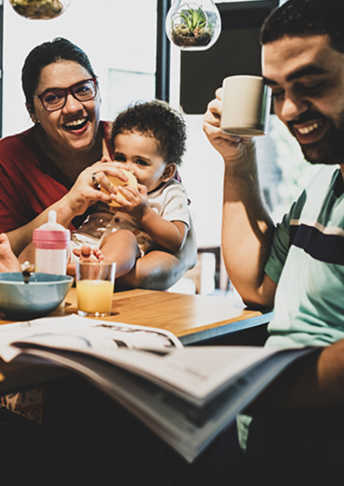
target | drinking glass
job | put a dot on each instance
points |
(94, 288)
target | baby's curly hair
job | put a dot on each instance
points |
(156, 119)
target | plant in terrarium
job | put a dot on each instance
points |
(40, 9)
(193, 25)
(193, 29)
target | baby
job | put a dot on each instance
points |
(148, 141)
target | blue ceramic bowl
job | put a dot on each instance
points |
(39, 297)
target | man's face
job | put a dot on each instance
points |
(307, 79)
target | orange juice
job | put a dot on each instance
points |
(94, 296)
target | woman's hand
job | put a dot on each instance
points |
(229, 146)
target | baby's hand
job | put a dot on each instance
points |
(132, 201)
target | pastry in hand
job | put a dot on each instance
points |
(131, 182)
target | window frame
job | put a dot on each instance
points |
(227, 6)
(1, 60)
(163, 56)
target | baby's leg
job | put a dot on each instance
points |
(85, 254)
(121, 247)
(8, 260)
(88, 254)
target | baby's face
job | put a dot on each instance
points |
(139, 154)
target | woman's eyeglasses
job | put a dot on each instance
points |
(54, 99)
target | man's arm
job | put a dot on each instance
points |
(315, 381)
(247, 228)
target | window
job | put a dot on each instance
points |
(282, 169)
(119, 38)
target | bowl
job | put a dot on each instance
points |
(41, 295)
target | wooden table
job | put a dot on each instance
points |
(193, 318)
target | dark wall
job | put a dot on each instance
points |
(237, 51)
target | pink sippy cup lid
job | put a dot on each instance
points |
(51, 235)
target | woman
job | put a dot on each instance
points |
(53, 164)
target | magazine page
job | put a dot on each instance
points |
(74, 332)
(186, 395)
(195, 373)
(187, 428)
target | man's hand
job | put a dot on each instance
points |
(229, 146)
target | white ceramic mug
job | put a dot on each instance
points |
(246, 102)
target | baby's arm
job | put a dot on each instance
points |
(168, 230)
(167, 234)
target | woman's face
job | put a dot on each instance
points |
(73, 127)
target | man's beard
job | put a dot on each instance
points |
(330, 149)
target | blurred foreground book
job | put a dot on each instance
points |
(185, 395)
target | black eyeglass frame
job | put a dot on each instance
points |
(68, 91)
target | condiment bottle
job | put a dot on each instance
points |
(51, 241)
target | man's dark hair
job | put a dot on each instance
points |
(156, 119)
(45, 54)
(304, 18)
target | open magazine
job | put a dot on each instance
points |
(185, 395)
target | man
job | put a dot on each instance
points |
(297, 266)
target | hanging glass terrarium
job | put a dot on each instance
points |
(40, 9)
(193, 25)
